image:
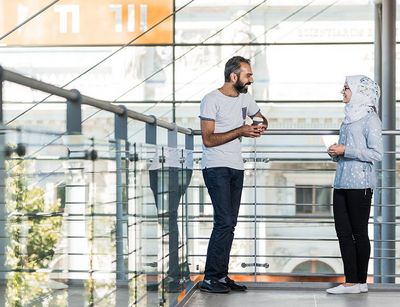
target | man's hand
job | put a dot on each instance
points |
(253, 131)
(336, 150)
(264, 125)
(211, 139)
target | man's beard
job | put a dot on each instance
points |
(241, 87)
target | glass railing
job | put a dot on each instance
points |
(102, 221)
(285, 230)
(157, 215)
(93, 222)
(105, 222)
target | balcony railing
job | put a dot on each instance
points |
(128, 221)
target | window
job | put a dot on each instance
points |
(313, 200)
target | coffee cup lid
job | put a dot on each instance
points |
(258, 119)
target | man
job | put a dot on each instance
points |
(223, 113)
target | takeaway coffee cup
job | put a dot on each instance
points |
(258, 120)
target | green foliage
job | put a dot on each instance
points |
(34, 231)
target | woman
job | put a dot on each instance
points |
(360, 145)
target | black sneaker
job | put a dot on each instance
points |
(232, 285)
(173, 286)
(213, 286)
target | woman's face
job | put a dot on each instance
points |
(346, 92)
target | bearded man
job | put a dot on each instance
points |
(223, 113)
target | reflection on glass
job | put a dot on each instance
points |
(143, 233)
(157, 265)
(168, 182)
(34, 230)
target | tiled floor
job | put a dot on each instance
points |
(294, 298)
(302, 296)
(76, 296)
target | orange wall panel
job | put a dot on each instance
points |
(87, 22)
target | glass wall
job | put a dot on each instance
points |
(131, 221)
(93, 222)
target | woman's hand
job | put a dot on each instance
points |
(336, 150)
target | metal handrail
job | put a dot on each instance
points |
(74, 95)
(308, 132)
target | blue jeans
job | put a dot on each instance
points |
(225, 186)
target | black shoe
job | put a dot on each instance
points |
(232, 285)
(174, 286)
(213, 286)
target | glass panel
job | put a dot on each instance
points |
(184, 180)
(33, 225)
(144, 231)
(278, 75)
(169, 177)
(91, 193)
(275, 21)
(106, 73)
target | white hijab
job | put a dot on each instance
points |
(365, 95)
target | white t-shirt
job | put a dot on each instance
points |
(228, 113)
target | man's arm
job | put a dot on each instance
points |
(258, 114)
(211, 139)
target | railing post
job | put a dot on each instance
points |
(121, 156)
(169, 221)
(74, 115)
(173, 138)
(377, 253)
(151, 132)
(121, 134)
(121, 125)
(189, 141)
(189, 146)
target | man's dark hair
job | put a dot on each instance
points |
(233, 66)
